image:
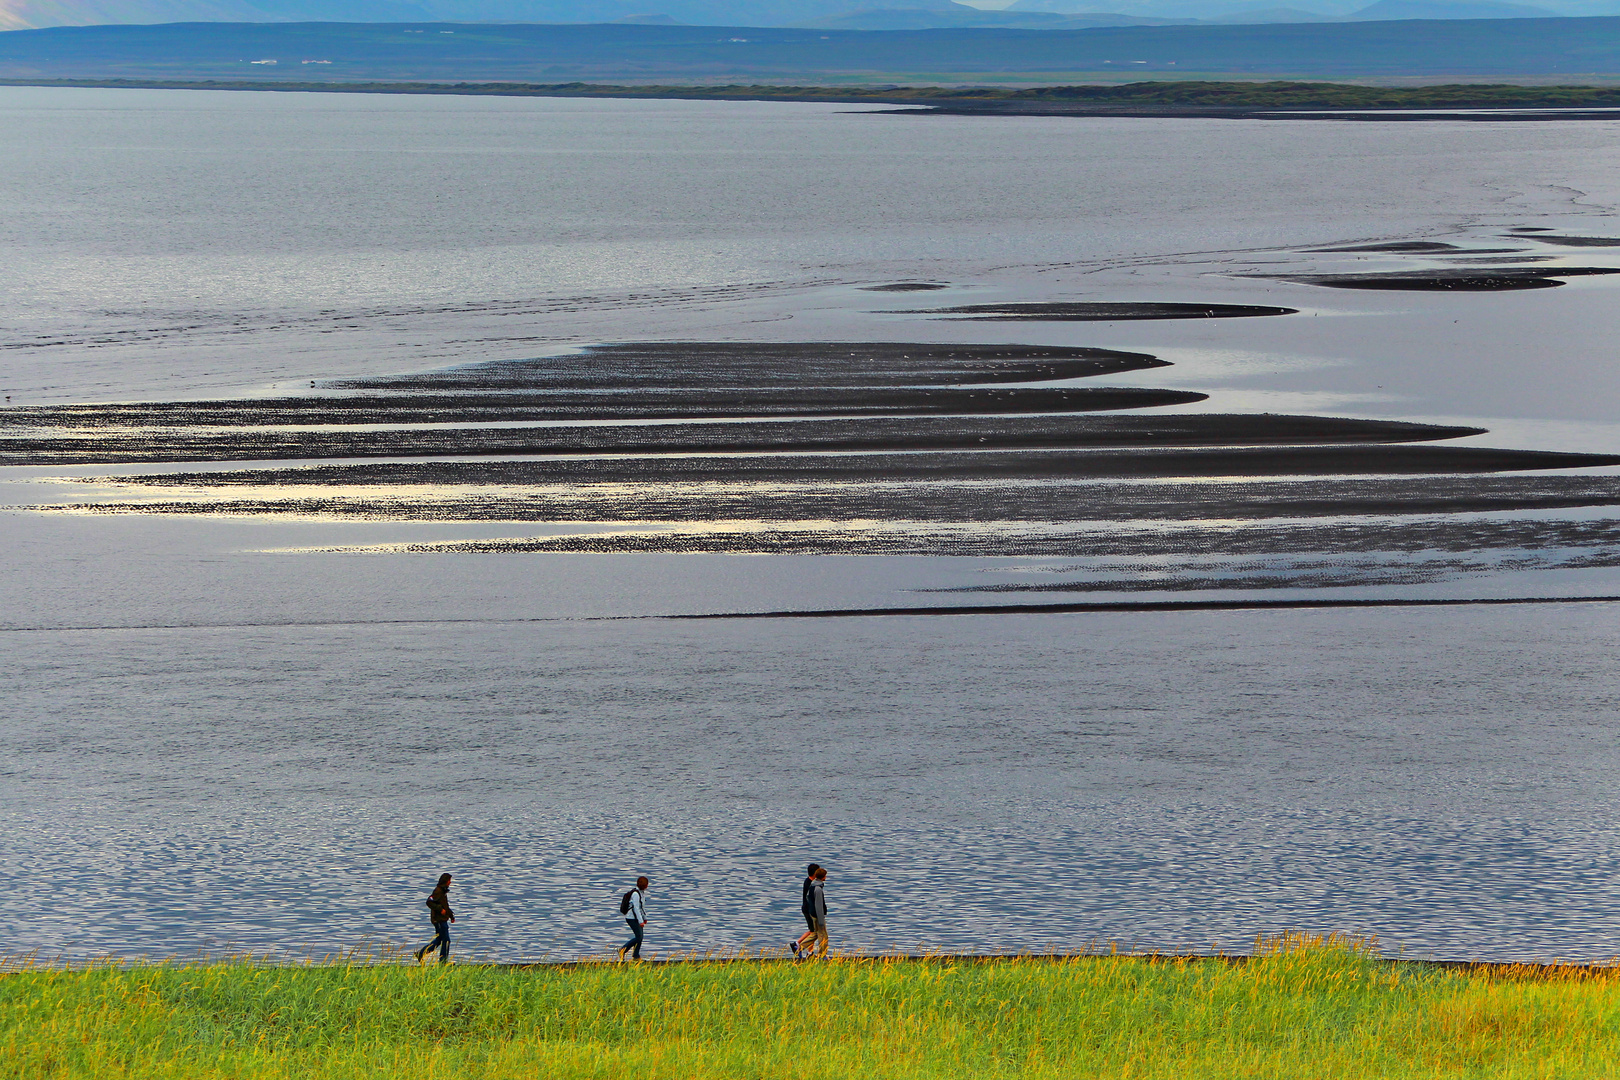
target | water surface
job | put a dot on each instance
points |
(218, 734)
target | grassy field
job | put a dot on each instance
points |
(1305, 1008)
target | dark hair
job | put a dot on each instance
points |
(642, 883)
(812, 868)
(444, 880)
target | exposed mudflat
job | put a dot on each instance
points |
(1393, 247)
(862, 448)
(942, 465)
(568, 406)
(1496, 260)
(1576, 241)
(1457, 280)
(868, 492)
(1596, 542)
(1089, 311)
(754, 366)
(511, 491)
(1342, 572)
(828, 436)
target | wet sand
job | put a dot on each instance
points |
(752, 366)
(1163, 605)
(868, 491)
(1453, 279)
(900, 451)
(1393, 247)
(569, 406)
(1588, 543)
(1088, 311)
(1576, 241)
(827, 436)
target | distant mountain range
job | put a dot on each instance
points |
(1570, 50)
(839, 14)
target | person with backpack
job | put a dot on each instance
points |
(807, 907)
(633, 906)
(438, 905)
(818, 912)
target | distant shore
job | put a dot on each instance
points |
(1215, 100)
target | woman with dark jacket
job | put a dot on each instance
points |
(438, 905)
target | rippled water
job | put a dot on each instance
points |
(263, 749)
(1026, 782)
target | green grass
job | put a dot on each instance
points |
(1305, 1008)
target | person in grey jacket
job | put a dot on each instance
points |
(635, 918)
(818, 913)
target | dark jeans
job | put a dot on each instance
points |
(634, 944)
(441, 939)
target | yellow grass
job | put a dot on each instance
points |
(1305, 1007)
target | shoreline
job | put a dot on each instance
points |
(1233, 100)
(1524, 970)
(1262, 949)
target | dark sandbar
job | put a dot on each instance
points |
(1450, 280)
(1086, 311)
(1498, 260)
(1033, 464)
(1393, 246)
(536, 496)
(873, 434)
(1578, 241)
(1402, 535)
(751, 366)
(1312, 574)
(571, 405)
(1151, 605)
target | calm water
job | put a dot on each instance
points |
(276, 749)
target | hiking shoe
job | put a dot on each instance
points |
(794, 945)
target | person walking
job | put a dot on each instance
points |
(818, 911)
(807, 907)
(633, 906)
(438, 905)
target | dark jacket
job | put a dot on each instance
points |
(807, 903)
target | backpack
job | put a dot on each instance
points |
(624, 902)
